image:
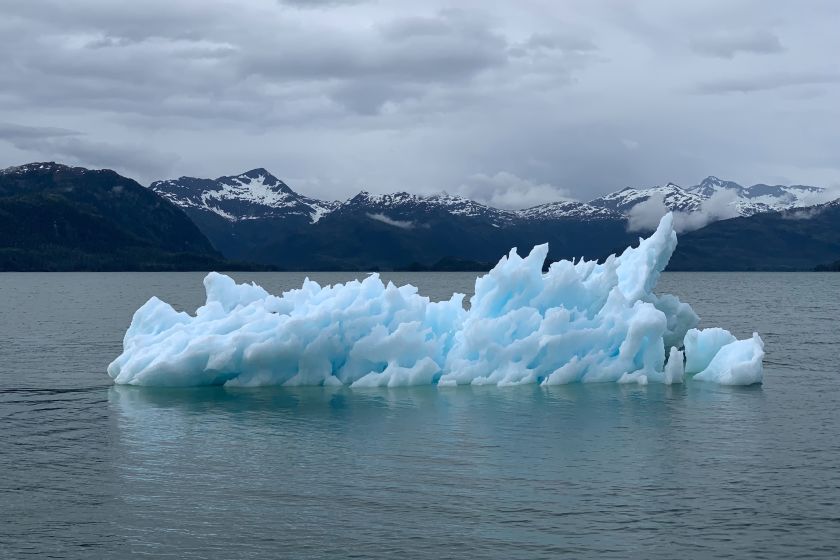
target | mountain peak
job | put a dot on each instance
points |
(712, 184)
(360, 197)
(253, 194)
(257, 180)
(257, 173)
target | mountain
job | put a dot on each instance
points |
(256, 194)
(569, 209)
(675, 198)
(241, 213)
(760, 198)
(256, 217)
(56, 217)
(745, 201)
(411, 209)
(795, 239)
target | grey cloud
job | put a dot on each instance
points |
(444, 48)
(728, 44)
(59, 143)
(646, 215)
(405, 95)
(396, 61)
(402, 224)
(368, 98)
(506, 190)
(320, 3)
(16, 132)
(416, 26)
(560, 41)
(122, 21)
(453, 57)
(749, 84)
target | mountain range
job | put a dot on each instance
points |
(256, 218)
(744, 201)
(257, 194)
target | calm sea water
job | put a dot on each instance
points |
(89, 470)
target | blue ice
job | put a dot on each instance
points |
(579, 322)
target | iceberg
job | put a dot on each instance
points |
(580, 321)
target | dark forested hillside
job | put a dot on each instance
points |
(799, 239)
(55, 217)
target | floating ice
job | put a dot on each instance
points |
(701, 346)
(579, 322)
(735, 363)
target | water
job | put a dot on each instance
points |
(89, 470)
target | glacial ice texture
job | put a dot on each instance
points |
(578, 322)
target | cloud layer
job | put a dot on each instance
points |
(645, 216)
(512, 103)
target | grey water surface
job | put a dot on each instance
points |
(90, 470)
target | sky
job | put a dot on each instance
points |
(512, 103)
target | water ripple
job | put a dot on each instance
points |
(88, 470)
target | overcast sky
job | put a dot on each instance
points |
(510, 102)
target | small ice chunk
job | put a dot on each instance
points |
(737, 363)
(674, 369)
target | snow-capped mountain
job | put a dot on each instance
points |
(255, 217)
(674, 197)
(711, 185)
(258, 194)
(255, 194)
(406, 207)
(746, 201)
(760, 198)
(568, 209)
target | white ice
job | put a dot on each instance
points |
(579, 322)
